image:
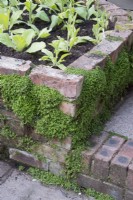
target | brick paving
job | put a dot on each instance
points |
(111, 167)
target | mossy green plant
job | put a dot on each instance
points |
(50, 179)
(38, 106)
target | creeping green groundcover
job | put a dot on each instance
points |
(38, 106)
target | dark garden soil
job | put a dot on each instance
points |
(76, 52)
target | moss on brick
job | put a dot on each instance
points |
(38, 106)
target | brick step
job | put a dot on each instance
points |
(108, 166)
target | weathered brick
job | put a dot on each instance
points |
(14, 66)
(104, 187)
(128, 195)
(104, 2)
(13, 122)
(108, 48)
(56, 168)
(129, 181)
(114, 143)
(118, 169)
(88, 154)
(123, 19)
(110, 7)
(118, 12)
(126, 36)
(88, 61)
(53, 152)
(28, 159)
(101, 163)
(127, 149)
(67, 84)
(102, 158)
(65, 143)
(68, 108)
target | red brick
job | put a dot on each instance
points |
(127, 149)
(14, 66)
(67, 84)
(104, 187)
(68, 108)
(88, 154)
(101, 163)
(129, 182)
(118, 169)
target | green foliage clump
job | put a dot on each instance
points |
(97, 195)
(7, 133)
(93, 89)
(37, 106)
(73, 163)
(50, 179)
(17, 95)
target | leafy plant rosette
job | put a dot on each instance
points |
(18, 29)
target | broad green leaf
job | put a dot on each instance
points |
(15, 16)
(19, 42)
(29, 35)
(4, 19)
(54, 21)
(1, 29)
(36, 46)
(43, 16)
(6, 40)
(30, 6)
(83, 39)
(82, 12)
(61, 66)
(3, 3)
(34, 28)
(18, 31)
(44, 33)
(47, 52)
(63, 56)
(45, 58)
(91, 12)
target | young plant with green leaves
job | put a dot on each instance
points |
(21, 39)
(8, 19)
(86, 9)
(57, 57)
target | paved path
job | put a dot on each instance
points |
(15, 185)
(122, 121)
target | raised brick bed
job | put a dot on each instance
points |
(108, 164)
